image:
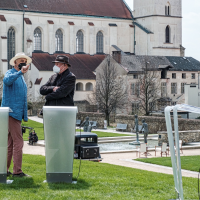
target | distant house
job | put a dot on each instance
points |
(173, 73)
(82, 65)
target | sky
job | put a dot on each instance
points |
(190, 27)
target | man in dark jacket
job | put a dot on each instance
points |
(59, 90)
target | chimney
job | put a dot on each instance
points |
(117, 56)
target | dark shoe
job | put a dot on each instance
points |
(21, 175)
(9, 174)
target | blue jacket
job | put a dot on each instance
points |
(15, 94)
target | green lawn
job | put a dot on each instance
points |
(40, 132)
(191, 163)
(96, 181)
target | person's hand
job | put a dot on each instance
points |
(25, 69)
(55, 88)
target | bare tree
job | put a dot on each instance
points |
(110, 92)
(148, 89)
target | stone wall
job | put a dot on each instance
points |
(156, 124)
(99, 117)
(185, 136)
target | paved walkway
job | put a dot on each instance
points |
(122, 159)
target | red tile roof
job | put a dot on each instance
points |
(38, 81)
(28, 21)
(83, 65)
(2, 18)
(71, 23)
(109, 8)
(90, 23)
(50, 21)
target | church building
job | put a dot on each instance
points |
(86, 31)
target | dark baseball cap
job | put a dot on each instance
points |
(62, 59)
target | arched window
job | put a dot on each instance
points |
(89, 87)
(167, 34)
(59, 40)
(79, 87)
(10, 45)
(167, 9)
(37, 39)
(99, 42)
(79, 41)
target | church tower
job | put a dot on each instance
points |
(158, 27)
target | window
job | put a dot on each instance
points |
(183, 75)
(37, 39)
(174, 75)
(79, 87)
(182, 88)
(152, 106)
(173, 103)
(10, 45)
(99, 42)
(167, 34)
(163, 74)
(173, 88)
(135, 108)
(79, 42)
(167, 9)
(135, 76)
(163, 89)
(133, 89)
(59, 40)
(89, 87)
(137, 89)
(193, 76)
(31, 84)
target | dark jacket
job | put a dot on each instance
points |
(63, 95)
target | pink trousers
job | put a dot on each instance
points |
(15, 145)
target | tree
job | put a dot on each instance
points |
(110, 92)
(148, 88)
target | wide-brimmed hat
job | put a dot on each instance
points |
(20, 55)
(62, 59)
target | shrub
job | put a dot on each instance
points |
(30, 105)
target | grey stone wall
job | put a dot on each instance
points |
(99, 117)
(185, 136)
(155, 124)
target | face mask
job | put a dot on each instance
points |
(56, 69)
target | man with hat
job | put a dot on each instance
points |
(15, 97)
(59, 90)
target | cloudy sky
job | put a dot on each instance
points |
(191, 26)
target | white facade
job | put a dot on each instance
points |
(192, 97)
(120, 35)
(148, 39)
(151, 14)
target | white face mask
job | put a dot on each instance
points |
(56, 69)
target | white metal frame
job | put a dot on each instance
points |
(176, 161)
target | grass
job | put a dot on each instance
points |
(38, 127)
(191, 163)
(97, 181)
